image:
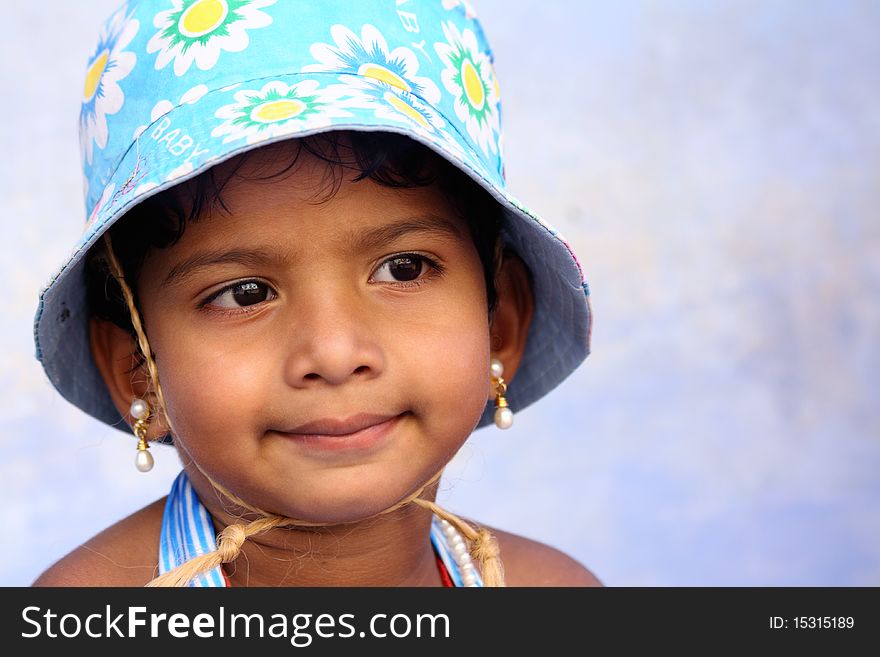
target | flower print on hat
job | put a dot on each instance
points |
(469, 78)
(406, 108)
(390, 78)
(102, 95)
(368, 57)
(197, 30)
(469, 11)
(106, 195)
(164, 106)
(383, 80)
(278, 109)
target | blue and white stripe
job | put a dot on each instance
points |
(441, 545)
(187, 532)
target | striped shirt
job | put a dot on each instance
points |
(187, 532)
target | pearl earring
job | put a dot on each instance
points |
(140, 411)
(503, 414)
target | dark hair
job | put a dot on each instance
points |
(388, 159)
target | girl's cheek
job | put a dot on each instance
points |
(452, 369)
(213, 393)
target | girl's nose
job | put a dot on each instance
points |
(331, 340)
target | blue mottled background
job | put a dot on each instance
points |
(716, 165)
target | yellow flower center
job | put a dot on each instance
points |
(473, 85)
(382, 74)
(405, 108)
(93, 75)
(277, 110)
(202, 17)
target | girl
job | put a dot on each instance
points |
(302, 268)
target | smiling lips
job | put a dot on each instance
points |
(358, 432)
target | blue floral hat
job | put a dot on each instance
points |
(175, 87)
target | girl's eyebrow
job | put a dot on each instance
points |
(375, 238)
(369, 240)
(187, 267)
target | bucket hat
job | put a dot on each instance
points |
(174, 87)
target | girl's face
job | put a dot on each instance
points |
(287, 311)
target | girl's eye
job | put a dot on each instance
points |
(241, 295)
(402, 268)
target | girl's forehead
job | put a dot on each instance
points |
(302, 202)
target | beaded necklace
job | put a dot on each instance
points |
(187, 532)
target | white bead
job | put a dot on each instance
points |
(460, 551)
(444, 523)
(503, 418)
(144, 460)
(460, 554)
(139, 410)
(497, 368)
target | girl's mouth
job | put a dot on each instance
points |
(361, 432)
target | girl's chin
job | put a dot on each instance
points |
(321, 495)
(334, 514)
(329, 505)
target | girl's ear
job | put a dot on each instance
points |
(513, 315)
(115, 354)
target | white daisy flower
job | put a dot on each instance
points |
(386, 81)
(468, 76)
(198, 30)
(367, 56)
(401, 107)
(109, 64)
(277, 109)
